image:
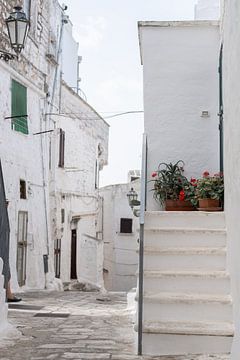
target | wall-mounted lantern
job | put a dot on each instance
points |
(17, 26)
(133, 201)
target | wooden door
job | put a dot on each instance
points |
(74, 255)
(22, 247)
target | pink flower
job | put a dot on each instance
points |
(205, 174)
(154, 174)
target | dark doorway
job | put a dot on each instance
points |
(74, 255)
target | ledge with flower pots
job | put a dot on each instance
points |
(176, 193)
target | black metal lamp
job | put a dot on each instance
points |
(132, 198)
(17, 26)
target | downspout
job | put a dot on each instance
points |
(49, 106)
(220, 114)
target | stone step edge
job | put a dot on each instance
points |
(152, 250)
(184, 230)
(175, 274)
(182, 298)
(188, 328)
(197, 214)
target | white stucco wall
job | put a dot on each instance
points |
(231, 56)
(120, 249)
(21, 159)
(69, 57)
(73, 187)
(207, 10)
(26, 156)
(180, 68)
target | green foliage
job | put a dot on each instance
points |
(168, 181)
(189, 189)
(210, 187)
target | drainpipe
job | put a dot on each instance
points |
(220, 114)
(48, 109)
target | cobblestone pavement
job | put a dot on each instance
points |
(82, 326)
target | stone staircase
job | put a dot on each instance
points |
(187, 307)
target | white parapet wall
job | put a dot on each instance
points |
(207, 10)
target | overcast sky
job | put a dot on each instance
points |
(111, 71)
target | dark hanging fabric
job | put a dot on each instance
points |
(4, 231)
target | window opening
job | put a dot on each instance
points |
(61, 148)
(125, 226)
(23, 191)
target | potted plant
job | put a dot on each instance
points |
(168, 189)
(210, 192)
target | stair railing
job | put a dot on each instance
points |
(141, 240)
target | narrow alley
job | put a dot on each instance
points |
(74, 325)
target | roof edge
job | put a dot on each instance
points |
(168, 24)
(183, 23)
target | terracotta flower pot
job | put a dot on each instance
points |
(209, 205)
(178, 205)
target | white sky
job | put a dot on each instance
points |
(111, 71)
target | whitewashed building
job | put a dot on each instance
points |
(231, 113)
(180, 62)
(52, 146)
(184, 294)
(79, 152)
(120, 235)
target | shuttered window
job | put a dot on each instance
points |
(61, 148)
(19, 107)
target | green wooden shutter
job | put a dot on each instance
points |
(19, 107)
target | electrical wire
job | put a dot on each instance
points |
(95, 118)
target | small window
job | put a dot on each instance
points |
(62, 216)
(126, 226)
(61, 148)
(133, 178)
(23, 193)
(19, 107)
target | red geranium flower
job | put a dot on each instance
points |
(193, 182)
(205, 174)
(181, 195)
(154, 174)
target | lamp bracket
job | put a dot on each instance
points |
(7, 56)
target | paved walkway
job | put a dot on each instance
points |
(74, 325)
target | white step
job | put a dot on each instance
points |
(188, 338)
(180, 307)
(203, 282)
(184, 258)
(184, 219)
(175, 237)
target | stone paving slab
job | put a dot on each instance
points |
(94, 330)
